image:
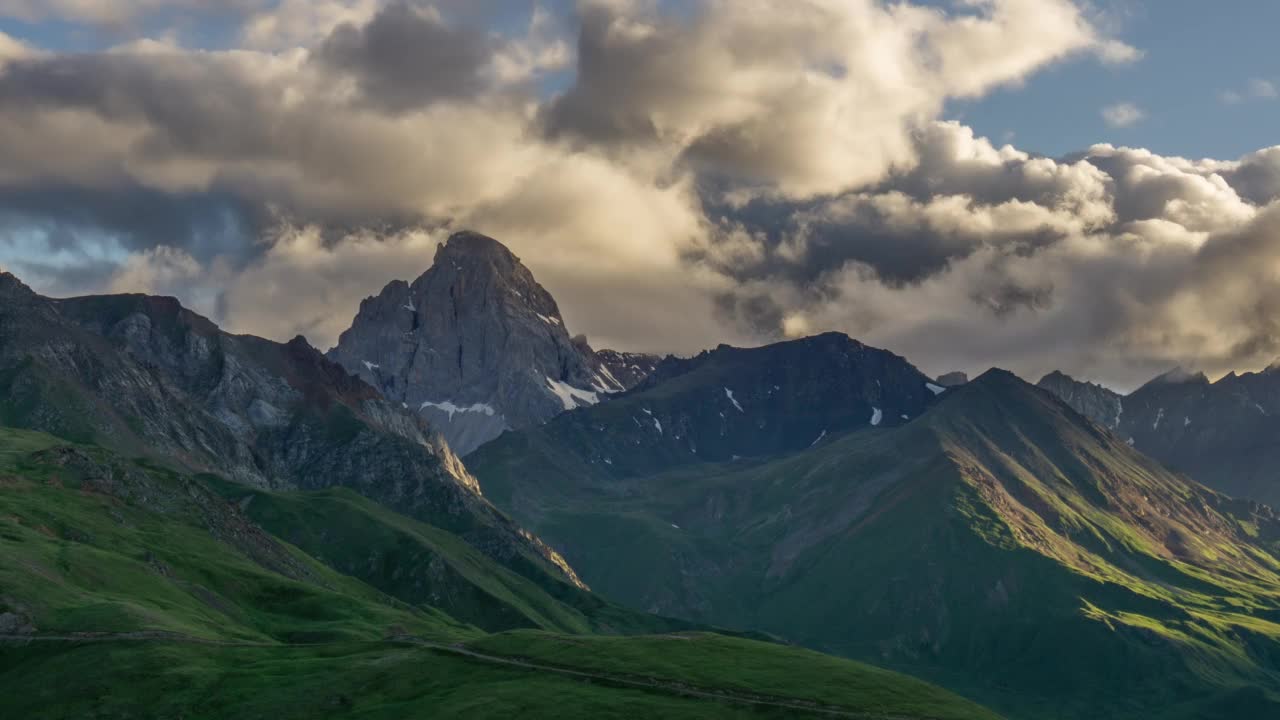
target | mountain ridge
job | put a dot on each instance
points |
(1223, 434)
(145, 376)
(999, 512)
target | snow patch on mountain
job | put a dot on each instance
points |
(570, 396)
(729, 394)
(451, 408)
(876, 415)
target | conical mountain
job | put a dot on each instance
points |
(475, 345)
(998, 534)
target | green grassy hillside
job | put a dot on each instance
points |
(128, 591)
(1000, 545)
(423, 565)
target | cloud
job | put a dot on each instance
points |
(1114, 52)
(117, 14)
(407, 56)
(1255, 89)
(738, 172)
(1122, 115)
(799, 98)
(294, 23)
(1260, 88)
(1256, 176)
(1114, 263)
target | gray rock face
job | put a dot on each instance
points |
(475, 345)
(144, 376)
(1224, 434)
(1101, 405)
(626, 368)
(953, 379)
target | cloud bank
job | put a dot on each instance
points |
(678, 176)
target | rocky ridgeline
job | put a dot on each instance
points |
(144, 376)
(1224, 434)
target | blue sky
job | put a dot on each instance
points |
(1195, 52)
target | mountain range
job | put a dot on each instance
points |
(995, 535)
(461, 509)
(1225, 434)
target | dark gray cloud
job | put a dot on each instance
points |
(1257, 176)
(407, 56)
(208, 224)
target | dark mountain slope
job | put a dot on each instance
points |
(1000, 544)
(145, 376)
(1225, 434)
(725, 404)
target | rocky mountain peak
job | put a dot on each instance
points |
(474, 246)
(11, 287)
(1177, 376)
(475, 344)
(1101, 405)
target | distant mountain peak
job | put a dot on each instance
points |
(1096, 402)
(477, 346)
(12, 287)
(1177, 376)
(995, 377)
(467, 243)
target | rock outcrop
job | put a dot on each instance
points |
(477, 346)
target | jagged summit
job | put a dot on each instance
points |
(1177, 376)
(470, 243)
(475, 344)
(1096, 402)
(11, 286)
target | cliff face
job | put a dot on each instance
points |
(1095, 402)
(477, 346)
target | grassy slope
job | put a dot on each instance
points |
(709, 660)
(1002, 563)
(363, 680)
(424, 565)
(77, 559)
